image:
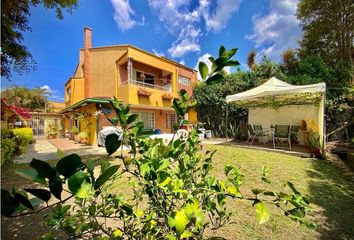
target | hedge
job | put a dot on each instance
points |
(25, 136)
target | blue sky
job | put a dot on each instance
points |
(186, 31)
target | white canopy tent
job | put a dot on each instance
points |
(277, 102)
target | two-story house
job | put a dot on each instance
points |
(147, 82)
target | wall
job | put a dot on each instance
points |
(188, 74)
(287, 115)
(103, 72)
(77, 91)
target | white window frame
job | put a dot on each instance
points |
(184, 80)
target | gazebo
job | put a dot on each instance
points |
(277, 102)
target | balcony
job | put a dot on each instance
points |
(166, 88)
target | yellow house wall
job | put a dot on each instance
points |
(154, 100)
(103, 71)
(89, 123)
(77, 91)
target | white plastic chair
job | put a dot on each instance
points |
(182, 133)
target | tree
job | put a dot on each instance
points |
(33, 99)
(328, 31)
(251, 59)
(14, 21)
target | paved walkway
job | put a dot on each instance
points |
(45, 149)
(41, 149)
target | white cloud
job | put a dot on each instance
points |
(47, 89)
(158, 53)
(52, 94)
(223, 12)
(182, 62)
(123, 15)
(276, 31)
(187, 19)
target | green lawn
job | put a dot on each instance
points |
(329, 187)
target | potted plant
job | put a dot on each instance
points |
(314, 143)
(83, 137)
(53, 128)
(75, 131)
(51, 132)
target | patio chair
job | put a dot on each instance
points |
(182, 133)
(294, 132)
(255, 132)
(281, 132)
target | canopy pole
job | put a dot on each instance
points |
(226, 122)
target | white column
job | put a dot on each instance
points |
(130, 69)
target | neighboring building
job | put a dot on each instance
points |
(147, 82)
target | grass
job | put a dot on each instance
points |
(329, 187)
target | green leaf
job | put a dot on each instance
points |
(219, 64)
(211, 59)
(186, 234)
(203, 70)
(263, 214)
(23, 200)
(181, 221)
(42, 194)
(164, 165)
(60, 154)
(144, 169)
(68, 165)
(268, 193)
(32, 175)
(199, 220)
(232, 63)
(112, 143)
(56, 187)
(292, 187)
(76, 180)
(222, 51)
(43, 169)
(132, 118)
(216, 78)
(171, 221)
(85, 191)
(8, 203)
(257, 191)
(127, 209)
(106, 175)
(232, 52)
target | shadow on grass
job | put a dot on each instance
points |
(30, 226)
(332, 189)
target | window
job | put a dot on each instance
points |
(173, 120)
(148, 118)
(143, 77)
(184, 80)
(166, 120)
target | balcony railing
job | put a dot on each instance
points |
(148, 85)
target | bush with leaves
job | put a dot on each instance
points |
(173, 194)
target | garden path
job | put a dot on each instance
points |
(45, 149)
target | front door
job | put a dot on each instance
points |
(37, 125)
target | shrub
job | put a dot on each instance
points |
(24, 136)
(8, 145)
